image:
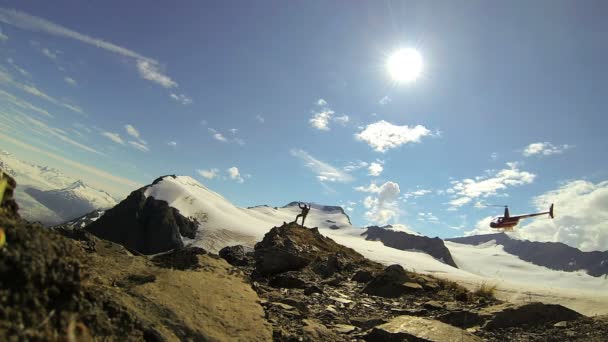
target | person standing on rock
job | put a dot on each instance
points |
(305, 210)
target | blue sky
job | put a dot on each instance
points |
(270, 102)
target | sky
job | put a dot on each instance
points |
(271, 102)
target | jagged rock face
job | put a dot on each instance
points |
(404, 241)
(144, 224)
(292, 247)
(393, 282)
(554, 255)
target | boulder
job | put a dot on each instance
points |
(528, 314)
(393, 282)
(237, 255)
(409, 328)
(462, 318)
(287, 281)
(362, 276)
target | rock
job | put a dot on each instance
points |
(329, 266)
(562, 324)
(8, 206)
(529, 314)
(316, 331)
(312, 289)
(393, 282)
(408, 328)
(404, 241)
(144, 224)
(365, 323)
(337, 281)
(292, 247)
(433, 305)
(284, 307)
(341, 300)
(181, 258)
(287, 281)
(237, 255)
(362, 276)
(344, 328)
(462, 318)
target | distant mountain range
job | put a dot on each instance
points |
(49, 196)
(554, 255)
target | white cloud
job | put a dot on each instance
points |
(320, 119)
(416, 193)
(150, 71)
(489, 185)
(219, 137)
(30, 89)
(581, 213)
(544, 148)
(41, 128)
(18, 102)
(132, 131)
(259, 118)
(147, 67)
(375, 169)
(427, 217)
(115, 137)
(70, 81)
(342, 120)
(209, 174)
(233, 130)
(356, 165)
(234, 174)
(22, 71)
(3, 37)
(181, 98)
(324, 171)
(381, 207)
(494, 156)
(50, 54)
(172, 143)
(385, 100)
(383, 135)
(139, 146)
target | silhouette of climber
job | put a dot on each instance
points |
(305, 210)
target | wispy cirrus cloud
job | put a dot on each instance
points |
(147, 67)
(115, 137)
(181, 98)
(70, 81)
(138, 143)
(323, 116)
(383, 136)
(18, 102)
(324, 171)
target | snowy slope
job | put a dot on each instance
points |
(517, 280)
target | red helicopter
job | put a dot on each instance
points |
(507, 222)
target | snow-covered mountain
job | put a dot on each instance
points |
(220, 224)
(49, 196)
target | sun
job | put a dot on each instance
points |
(405, 65)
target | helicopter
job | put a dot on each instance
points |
(507, 222)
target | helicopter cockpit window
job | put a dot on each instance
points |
(497, 220)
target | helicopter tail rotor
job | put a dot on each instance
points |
(551, 211)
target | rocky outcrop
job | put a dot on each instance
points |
(553, 255)
(531, 314)
(144, 224)
(410, 328)
(393, 282)
(404, 241)
(292, 247)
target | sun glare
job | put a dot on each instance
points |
(405, 65)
